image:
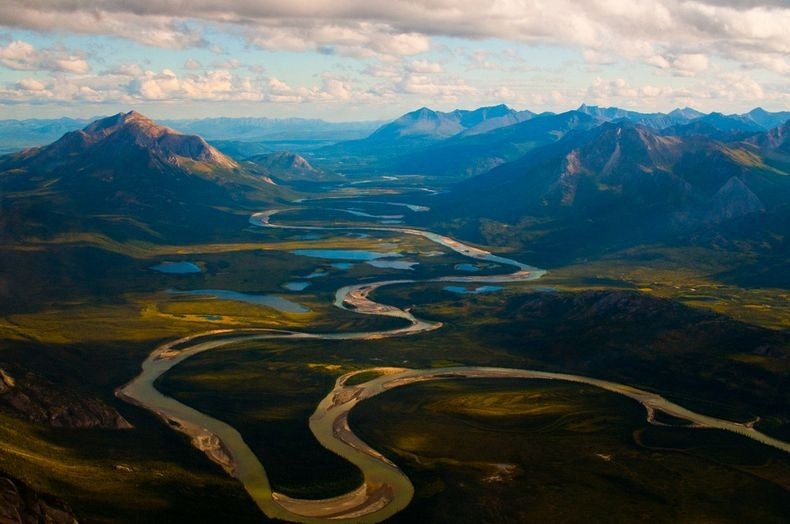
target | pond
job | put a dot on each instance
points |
(177, 268)
(296, 286)
(467, 267)
(392, 264)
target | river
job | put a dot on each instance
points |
(385, 489)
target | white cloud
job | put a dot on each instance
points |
(707, 94)
(657, 52)
(634, 29)
(22, 56)
(424, 66)
(360, 39)
(31, 84)
(690, 64)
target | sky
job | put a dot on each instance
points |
(349, 60)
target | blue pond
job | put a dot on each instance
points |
(392, 264)
(343, 266)
(343, 254)
(466, 291)
(296, 286)
(466, 267)
(177, 268)
(272, 301)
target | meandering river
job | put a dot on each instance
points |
(385, 489)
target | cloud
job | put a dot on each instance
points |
(355, 39)
(213, 85)
(22, 56)
(167, 31)
(739, 89)
(424, 66)
(684, 64)
(634, 29)
(690, 64)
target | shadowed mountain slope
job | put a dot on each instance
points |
(123, 169)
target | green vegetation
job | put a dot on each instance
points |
(269, 397)
(518, 451)
(100, 311)
(148, 472)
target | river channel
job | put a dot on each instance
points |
(385, 489)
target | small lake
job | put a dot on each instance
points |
(344, 254)
(461, 290)
(467, 267)
(343, 266)
(392, 264)
(177, 268)
(296, 286)
(272, 301)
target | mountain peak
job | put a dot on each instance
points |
(110, 124)
(129, 136)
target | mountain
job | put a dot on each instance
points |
(507, 117)
(19, 134)
(731, 122)
(272, 129)
(773, 146)
(466, 155)
(123, 169)
(768, 120)
(420, 128)
(653, 120)
(426, 124)
(718, 129)
(777, 139)
(619, 184)
(289, 166)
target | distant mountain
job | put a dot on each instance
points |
(122, 169)
(653, 120)
(418, 129)
(773, 146)
(768, 120)
(19, 134)
(710, 129)
(507, 117)
(426, 124)
(288, 166)
(777, 139)
(467, 155)
(731, 122)
(273, 129)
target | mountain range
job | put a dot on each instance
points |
(462, 143)
(621, 184)
(594, 172)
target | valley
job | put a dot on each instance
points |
(290, 292)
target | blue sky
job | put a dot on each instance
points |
(365, 59)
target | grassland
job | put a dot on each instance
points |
(692, 276)
(496, 451)
(84, 311)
